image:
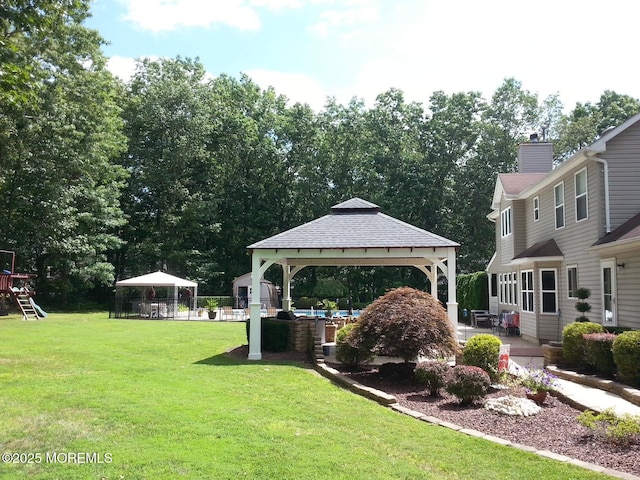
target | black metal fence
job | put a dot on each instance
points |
(226, 308)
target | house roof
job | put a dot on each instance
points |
(600, 145)
(516, 183)
(512, 184)
(545, 250)
(355, 223)
(156, 279)
(628, 232)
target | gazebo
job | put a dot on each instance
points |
(165, 307)
(355, 233)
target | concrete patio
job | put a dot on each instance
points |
(522, 352)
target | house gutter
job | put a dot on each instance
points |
(607, 209)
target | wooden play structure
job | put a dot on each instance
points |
(14, 288)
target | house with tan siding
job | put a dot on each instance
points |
(575, 225)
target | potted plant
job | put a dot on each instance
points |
(537, 383)
(330, 327)
(212, 307)
(329, 306)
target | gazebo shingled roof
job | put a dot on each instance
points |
(355, 223)
(354, 233)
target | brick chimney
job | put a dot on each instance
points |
(535, 156)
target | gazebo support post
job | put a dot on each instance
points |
(255, 327)
(286, 282)
(452, 301)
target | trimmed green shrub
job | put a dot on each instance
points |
(350, 355)
(274, 335)
(582, 306)
(599, 353)
(626, 354)
(483, 350)
(468, 383)
(306, 302)
(618, 429)
(573, 351)
(433, 375)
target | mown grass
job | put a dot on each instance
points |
(164, 401)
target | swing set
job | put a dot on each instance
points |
(14, 288)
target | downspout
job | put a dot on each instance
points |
(607, 210)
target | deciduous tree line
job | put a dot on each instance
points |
(173, 170)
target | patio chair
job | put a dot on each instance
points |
(509, 322)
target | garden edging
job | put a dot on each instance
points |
(390, 401)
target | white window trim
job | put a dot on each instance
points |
(531, 290)
(505, 222)
(556, 206)
(536, 208)
(569, 267)
(585, 194)
(542, 292)
(507, 288)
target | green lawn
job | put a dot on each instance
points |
(160, 399)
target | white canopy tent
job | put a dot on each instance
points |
(355, 233)
(161, 279)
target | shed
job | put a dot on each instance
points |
(242, 292)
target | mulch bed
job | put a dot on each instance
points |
(554, 429)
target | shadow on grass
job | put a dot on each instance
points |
(238, 356)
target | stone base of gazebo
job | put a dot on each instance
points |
(303, 330)
(301, 334)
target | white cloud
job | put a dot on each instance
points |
(347, 16)
(125, 67)
(122, 67)
(166, 15)
(298, 87)
(277, 4)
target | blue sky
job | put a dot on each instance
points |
(311, 49)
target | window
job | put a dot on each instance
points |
(510, 300)
(505, 222)
(536, 209)
(582, 208)
(548, 291)
(494, 285)
(508, 288)
(558, 191)
(527, 290)
(572, 281)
